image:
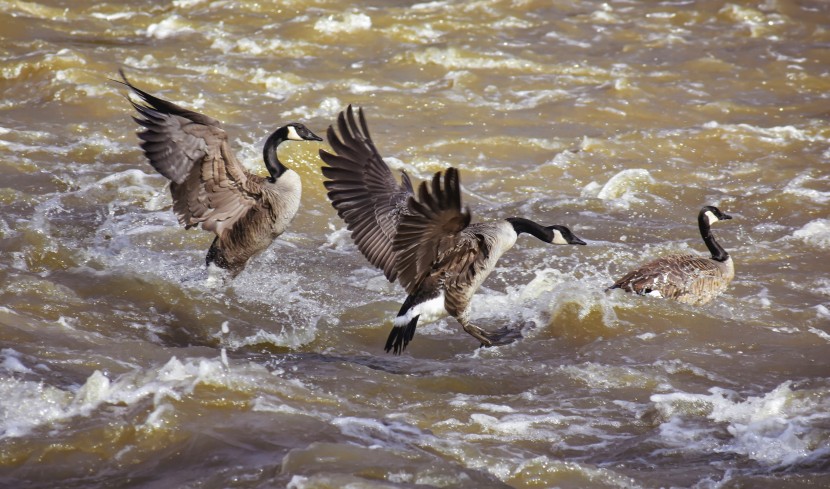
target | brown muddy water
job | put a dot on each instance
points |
(121, 365)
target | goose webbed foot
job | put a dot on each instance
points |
(502, 336)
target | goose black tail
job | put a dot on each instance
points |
(400, 336)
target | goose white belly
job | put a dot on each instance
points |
(428, 311)
(499, 237)
(285, 199)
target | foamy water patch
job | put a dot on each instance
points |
(459, 59)
(286, 337)
(282, 85)
(815, 233)
(172, 26)
(598, 376)
(510, 101)
(558, 293)
(327, 109)
(553, 472)
(780, 428)
(187, 3)
(346, 22)
(294, 307)
(12, 362)
(760, 24)
(474, 420)
(774, 135)
(623, 189)
(26, 405)
(421, 33)
(800, 186)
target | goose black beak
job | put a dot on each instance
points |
(725, 216)
(312, 137)
(576, 241)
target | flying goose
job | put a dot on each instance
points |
(209, 185)
(426, 242)
(689, 279)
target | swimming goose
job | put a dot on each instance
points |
(689, 279)
(426, 242)
(209, 185)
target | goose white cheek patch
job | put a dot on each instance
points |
(292, 134)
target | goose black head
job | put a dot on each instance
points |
(713, 214)
(563, 236)
(298, 132)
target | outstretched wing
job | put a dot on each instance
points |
(363, 190)
(431, 232)
(209, 185)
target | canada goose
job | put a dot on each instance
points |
(426, 242)
(209, 185)
(686, 278)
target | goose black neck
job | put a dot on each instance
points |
(522, 225)
(269, 153)
(717, 251)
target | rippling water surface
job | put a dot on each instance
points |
(121, 365)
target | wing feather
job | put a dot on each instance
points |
(209, 185)
(432, 229)
(672, 276)
(363, 190)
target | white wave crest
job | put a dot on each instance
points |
(776, 429)
(346, 22)
(816, 233)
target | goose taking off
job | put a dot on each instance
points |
(209, 185)
(426, 241)
(689, 279)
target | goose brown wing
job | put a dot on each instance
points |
(209, 185)
(363, 190)
(430, 235)
(671, 275)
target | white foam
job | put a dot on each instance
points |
(775, 429)
(435, 5)
(147, 61)
(575, 474)
(776, 135)
(287, 337)
(759, 23)
(554, 290)
(113, 16)
(625, 182)
(798, 186)
(421, 33)
(327, 109)
(821, 334)
(187, 3)
(456, 59)
(816, 233)
(281, 85)
(169, 27)
(599, 376)
(376, 433)
(12, 362)
(26, 405)
(339, 238)
(345, 22)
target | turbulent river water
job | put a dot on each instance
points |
(123, 365)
